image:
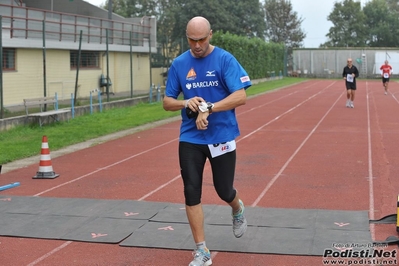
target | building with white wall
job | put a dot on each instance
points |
(41, 40)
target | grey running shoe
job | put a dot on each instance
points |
(352, 106)
(239, 222)
(348, 102)
(201, 258)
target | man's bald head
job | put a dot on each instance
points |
(198, 26)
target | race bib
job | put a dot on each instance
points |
(222, 148)
(386, 75)
(349, 78)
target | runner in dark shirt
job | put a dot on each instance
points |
(349, 74)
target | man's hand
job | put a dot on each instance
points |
(202, 121)
(191, 106)
(193, 103)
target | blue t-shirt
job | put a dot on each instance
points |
(213, 78)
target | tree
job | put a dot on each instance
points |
(161, 9)
(133, 8)
(248, 18)
(283, 24)
(240, 17)
(393, 5)
(166, 23)
(383, 23)
(348, 28)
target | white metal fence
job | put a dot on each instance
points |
(329, 63)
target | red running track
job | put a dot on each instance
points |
(300, 147)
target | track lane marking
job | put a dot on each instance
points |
(45, 256)
(135, 155)
(274, 179)
(167, 183)
(106, 167)
(370, 166)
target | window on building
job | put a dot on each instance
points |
(87, 59)
(8, 59)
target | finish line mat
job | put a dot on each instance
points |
(164, 225)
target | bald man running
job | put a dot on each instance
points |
(213, 84)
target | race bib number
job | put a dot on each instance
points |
(386, 75)
(222, 148)
(349, 78)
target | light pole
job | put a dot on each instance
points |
(149, 42)
(110, 9)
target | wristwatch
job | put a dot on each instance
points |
(206, 107)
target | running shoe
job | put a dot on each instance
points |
(239, 222)
(386, 93)
(352, 106)
(348, 103)
(202, 257)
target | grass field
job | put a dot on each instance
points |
(25, 141)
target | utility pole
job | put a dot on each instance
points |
(149, 41)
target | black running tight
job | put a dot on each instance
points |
(192, 158)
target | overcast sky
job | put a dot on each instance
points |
(314, 15)
(315, 23)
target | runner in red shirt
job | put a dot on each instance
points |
(386, 72)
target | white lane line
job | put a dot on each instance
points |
(118, 162)
(396, 99)
(177, 177)
(45, 256)
(265, 104)
(159, 188)
(274, 179)
(370, 162)
(106, 167)
(69, 242)
(215, 253)
(286, 112)
(275, 100)
(155, 190)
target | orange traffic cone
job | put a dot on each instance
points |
(45, 167)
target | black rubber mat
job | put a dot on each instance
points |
(164, 225)
(277, 231)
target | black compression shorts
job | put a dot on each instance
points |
(192, 158)
(350, 86)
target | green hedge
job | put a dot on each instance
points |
(258, 57)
